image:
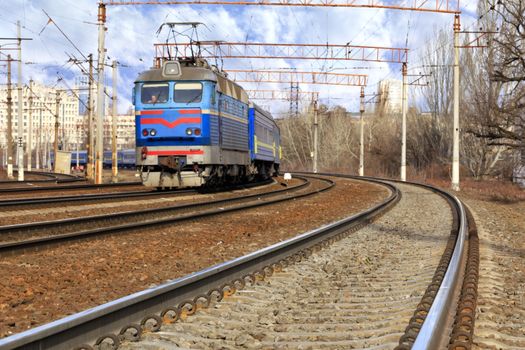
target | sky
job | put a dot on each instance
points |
(131, 33)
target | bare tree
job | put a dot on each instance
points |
(436, 131)
(479, 107)
(338, 140)
(506, 126)
(294, 155)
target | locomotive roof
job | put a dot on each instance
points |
(261, 110)
(188, 73)
(197, 73)
(266, 113)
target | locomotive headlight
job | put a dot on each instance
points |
(189, 131)
(197, 132)
(153, 132)
(145, 132)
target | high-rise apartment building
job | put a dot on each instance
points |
(72, 119)
(390, 93)
(42, 116)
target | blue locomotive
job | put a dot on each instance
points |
(196, 127)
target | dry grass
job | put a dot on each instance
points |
(492, 190)
(500, 191)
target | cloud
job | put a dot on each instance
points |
(131, 35)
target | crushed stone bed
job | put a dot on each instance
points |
(90, 208)
(44, 286)
(358, 293)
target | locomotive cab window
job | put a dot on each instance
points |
(154, 93)
(187, 92)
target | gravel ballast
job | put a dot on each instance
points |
(44, 286)
(358, 293)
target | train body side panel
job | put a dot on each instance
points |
(264, 144)
(277, 140)
(251, 132)
(233, 124)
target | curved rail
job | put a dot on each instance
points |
(17, 202)
(148, 309)
(103, 220)
(52, 178)
(83, 198)
(435, 325)
(68, 187)
(434, 330)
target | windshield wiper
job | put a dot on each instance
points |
(157, 98)
(193, 99)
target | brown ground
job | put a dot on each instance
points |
(13, 215)
(69, 192)
(40, 287)
(3, 176)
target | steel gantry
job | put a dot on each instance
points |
(284, 95)
(219, 49)
(288, 51)
(442, 6)
(439, 6)
(332, 52)
(321, 78)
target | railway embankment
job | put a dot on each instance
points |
(360, 292)
(49, 284)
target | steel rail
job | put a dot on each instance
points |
(62, 177)
(84, 198)
(68, 187)
(52, 178)
(433, 332)
(11, 247)
(35, 226)
(435, 325)
(17, 202)
(115, 319)
(49, 176)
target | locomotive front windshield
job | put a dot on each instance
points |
(154, 93)
(187, 92)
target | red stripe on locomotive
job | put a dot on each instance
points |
(174, 152)
(189, 111)
(146, 112)
(172, 124)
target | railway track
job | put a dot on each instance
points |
(19, 203)
(33, 189)
(48, 178)
(23, 237)
(130, 317)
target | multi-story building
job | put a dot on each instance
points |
(390, 93)
(82, 87)
(73, 125)
(41, 112)
(125, 131)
